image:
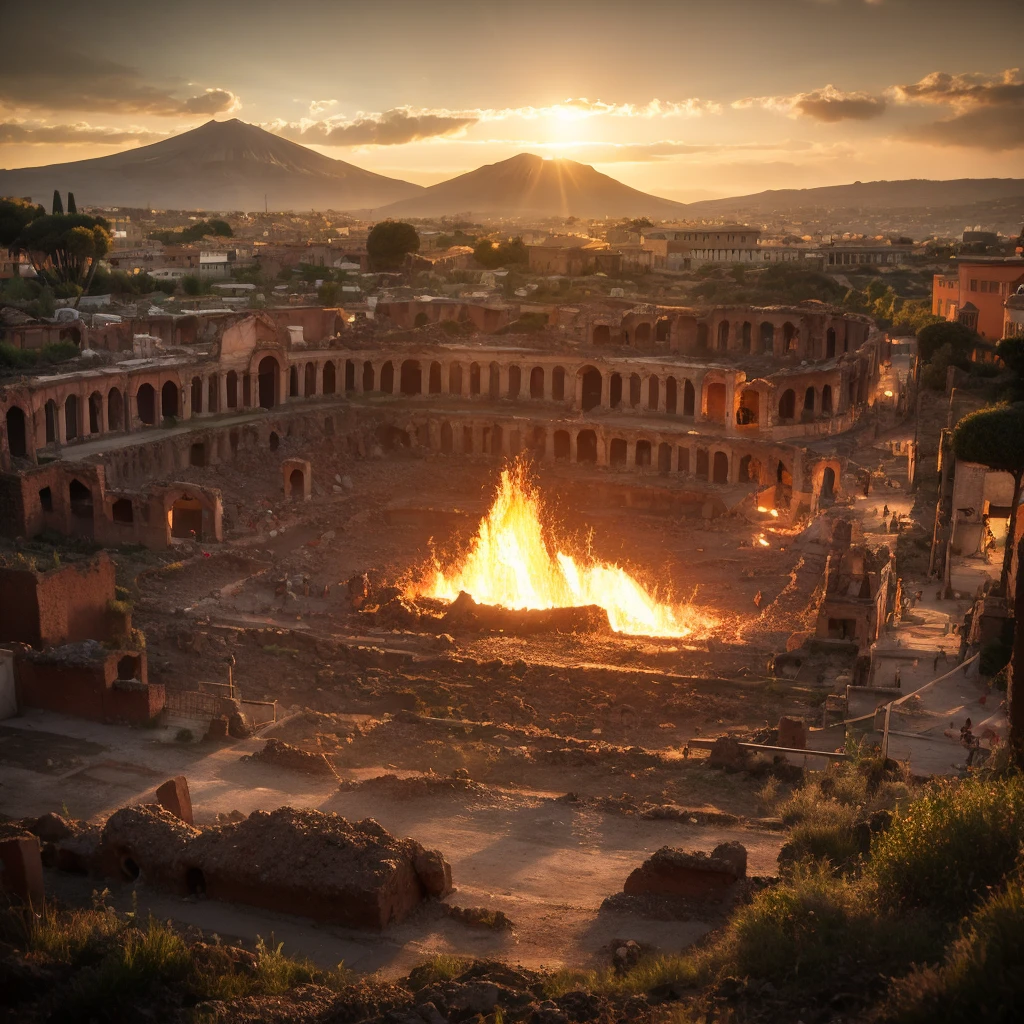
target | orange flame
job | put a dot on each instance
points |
(510, 564)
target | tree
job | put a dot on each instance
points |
(994, 437)
(639, 223)
(58, 205)
(961, 339)
(389, 243)
(1015, 678)
(15, 214)
(72, 208)
(491, 255)
(65, 249)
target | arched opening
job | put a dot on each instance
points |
(129, 869)
(561, 444)
(80, 498)
(267, 373)
(767, 336)
(46, 499)
(715, 398)
(617, 452)
(683, 455)
(538, 441)
(420, 320)
(467, 440)
(701, 472)
(145, 404)
(592, 386)
(274, 441)
(233, 441)
(455, 379)
(71, 417)
(186, 518)
(747, 333)
(391, 437)
(350, 375)
(494, 381)
(652, 392)
(195, 882)
(749, 411)
(95, 412)
(537, 382)
(297, 483)
(702, 337)
(447, 439)
(830, 343)
(330, 378)
(749, 470)
(723, 336)
(16, 432)
(636, 386)
(387, 378)
(197, 454)
(787, 404)
(293, 382)
(475, 379)
(663, 329)
(434, 379)
(809, 402)
(50, 418)
(643, 453)
(515, 381)
(689, 398)
(790, 336)
(602, 334)
(196, 395)
(720, 469)
(232, 389)
(558, 384)
(615, 390)
(783, 475)
(496, 440)
(586, 446)
(671, 396)
(828, 485)
(642, 334)
(122, 512)
(128, 667)
(309, 380)
(169, 399)
(115, 410)
(826, 400)
(664, 457)
(410, 381)
(213, 393)
(367, 376)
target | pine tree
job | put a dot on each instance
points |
(58, 205)
(71, 203)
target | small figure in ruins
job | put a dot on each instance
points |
(885, 511)
(757, 599)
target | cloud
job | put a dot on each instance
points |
(318, 107)
(828, 104)
(37, 134)
(987, 110)
(69, 80)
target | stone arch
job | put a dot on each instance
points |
(80, 499)
(267, 376)
(790, 337)
(368, 376)
(121, 511)
(615, 390)
(787, 404)
(309, 380)
(387, 378)
(653, 389)
(586, 446)
(591, 387)
(617, 452)
(643, 453)
(747, 335)
(95, 412)
(115, 409)
(809, 401)
(671, 396)
(642, 334)
(748, 412)
(515, 381)
(602, 334)
(636, 386)
(71, 417)
(826, 400)
(689, 398)
(410, 378)
(664, 457)
(537, 382)
(145, 404)
(474, 379)
(558, 384)
(169, 399)
(350, 375)
(701, 471)
(494, 380)
(561, 444)
(293, 382)
(274, 442)
(196, 393)
(749, 470)
(447, 438)
(434, 378)
(232, 389)
(723, 336)
(828, 485)
(767, 336)
(296, 484)
(17, 433)
(330, 378)
(455, 379)
(50, 420)
(714, 402)
(663, 329)
(720, 468)
(830, 343)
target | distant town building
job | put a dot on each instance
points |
(976, 293)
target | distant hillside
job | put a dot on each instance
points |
(869, 195)
(223, 165)
(530, 186)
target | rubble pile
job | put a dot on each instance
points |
(283, 755)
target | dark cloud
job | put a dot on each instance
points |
(14, 132)
(391, 128)
(832, 107)
(996, 128)
(61, 79)
(964, 90)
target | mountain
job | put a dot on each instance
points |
(530, 186)
(910, 193)
(222, 165)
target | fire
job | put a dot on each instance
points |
(509, 563)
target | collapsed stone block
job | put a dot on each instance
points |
(728, 754)
(146, 842)
(174, 796)
(792, 733)
(21, 869)
(678, 873)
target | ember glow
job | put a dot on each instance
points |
(510, 563)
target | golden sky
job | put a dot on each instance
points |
(683, 99)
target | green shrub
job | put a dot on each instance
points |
(982, 976)
(950, 845)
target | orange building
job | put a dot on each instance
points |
(976, 293)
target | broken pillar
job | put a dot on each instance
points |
(21, 869)
(174, 796)
(792, 733)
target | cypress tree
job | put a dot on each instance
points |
(58, 205)
(71, 203)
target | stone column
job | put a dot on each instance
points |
(222, 391)
(186, 401)
(730, 404)
(573, 434)
(318, 379)
(606, 392)
(549, 373)
(631, 454)
(662, 389)
(698, 396)
(578, 392)
(602, 448)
